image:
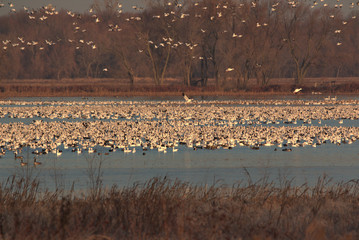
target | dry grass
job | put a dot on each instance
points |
(165, 209)
(173, 87)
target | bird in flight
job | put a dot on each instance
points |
(297, 90)
(187, 99)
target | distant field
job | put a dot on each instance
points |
(144, 86)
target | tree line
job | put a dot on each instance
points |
(191, 40)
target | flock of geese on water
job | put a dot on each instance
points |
(103, 127)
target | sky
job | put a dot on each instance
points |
(83, 5)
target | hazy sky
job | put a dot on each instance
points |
(83, 5)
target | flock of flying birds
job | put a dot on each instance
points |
(48, 11)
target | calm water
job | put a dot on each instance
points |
(200, 167)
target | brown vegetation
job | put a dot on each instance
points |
(165, 209)
(195, 41)
(107, 87)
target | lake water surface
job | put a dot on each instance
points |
(197, 166)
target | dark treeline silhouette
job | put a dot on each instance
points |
(193, 40)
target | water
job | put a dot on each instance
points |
(198, 167)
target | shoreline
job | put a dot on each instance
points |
(55, 92)
(173, 87)
(238, 95)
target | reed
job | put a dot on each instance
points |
(170, 209)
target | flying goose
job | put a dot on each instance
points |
(297, 90)
(187, 99)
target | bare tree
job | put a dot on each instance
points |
(344, 54)
(211, 28)
(126, 53)
(242, 40)
(304, 32)
(157, 35)
(187, 39)
(268, 46)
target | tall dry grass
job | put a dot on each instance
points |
(171, 209)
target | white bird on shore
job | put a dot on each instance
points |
(187, 99)
(297, 90)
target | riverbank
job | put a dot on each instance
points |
(172, 87)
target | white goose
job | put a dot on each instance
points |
(297, 90)
(187, 99)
